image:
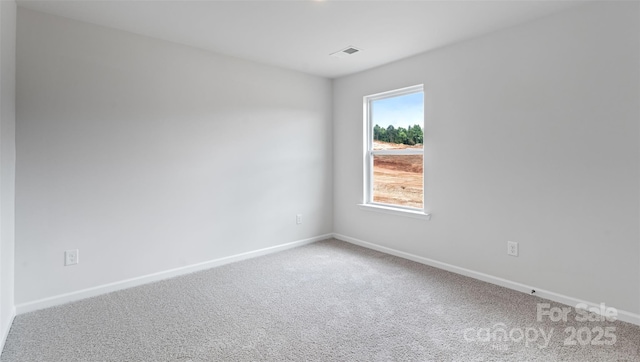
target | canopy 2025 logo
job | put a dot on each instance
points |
(595, 336)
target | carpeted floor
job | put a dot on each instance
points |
(328, 301)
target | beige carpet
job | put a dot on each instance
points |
(328, 301)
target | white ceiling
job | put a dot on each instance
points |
(300, 35)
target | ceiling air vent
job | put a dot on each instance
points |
(345, 52)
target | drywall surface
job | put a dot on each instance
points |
(531, 135)
(7, 161)
(147, 155)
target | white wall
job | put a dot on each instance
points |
(532, 136)
(148, 155)
(7, 162)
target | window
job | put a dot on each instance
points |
(394, 152)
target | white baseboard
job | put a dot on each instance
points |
(570, 301)
(128, 283)
(133, 282)
(7, 328)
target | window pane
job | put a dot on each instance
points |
(398, 180)
(398, 122)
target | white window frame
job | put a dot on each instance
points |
(368, 154)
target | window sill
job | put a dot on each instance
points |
(395, 211)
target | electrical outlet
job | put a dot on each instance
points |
(299, 219)
(71, 257)
(512, 248)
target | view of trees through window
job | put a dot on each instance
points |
(410, 136)
(397, 150)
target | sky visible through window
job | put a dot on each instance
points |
(403, 111)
